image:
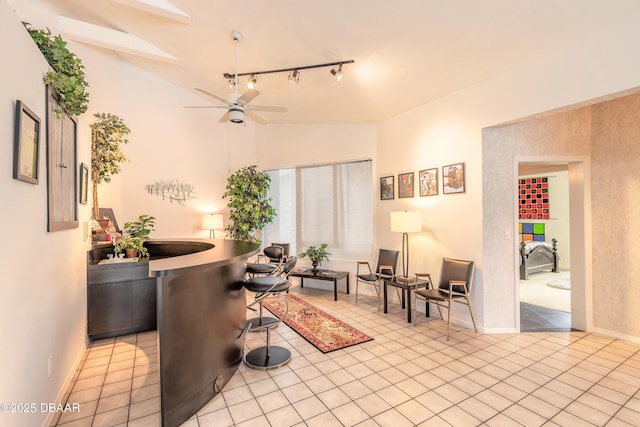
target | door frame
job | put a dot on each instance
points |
(580, 236)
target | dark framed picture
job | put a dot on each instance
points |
(453, 178)
(84, 183)
(386, 188)
(27, 144)
(428, 182)
(405, 185)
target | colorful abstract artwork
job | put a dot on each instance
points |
(531, 232)
(533, 198)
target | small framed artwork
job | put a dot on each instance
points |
(386, 188)
(405, 185)
(428, 182)
(84, 183)
(453, 178)
(26, 144)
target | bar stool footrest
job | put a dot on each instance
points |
(258, 359)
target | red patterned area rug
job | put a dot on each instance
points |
(319, 328)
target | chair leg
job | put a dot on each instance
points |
(473, 319)
(377, 287)
(415, 310)
(357, 281)
(448, 319)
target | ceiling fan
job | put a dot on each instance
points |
(238, 106)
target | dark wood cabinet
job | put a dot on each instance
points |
(121, 298)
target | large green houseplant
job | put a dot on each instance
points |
(108, 134)
(249, 204)
(67, 75)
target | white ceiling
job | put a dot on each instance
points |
(406, 52)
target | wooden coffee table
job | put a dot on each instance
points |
(323, 274)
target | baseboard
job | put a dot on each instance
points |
(630, 338)
(61, 394)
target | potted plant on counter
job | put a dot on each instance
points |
(137, 232)
(132, 247)
(316, 255)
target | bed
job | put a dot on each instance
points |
(538, 256)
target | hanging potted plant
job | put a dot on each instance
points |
(249, 205)
(316, 255)
(67, 75)
(108, 134)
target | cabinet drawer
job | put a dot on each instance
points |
(109, 275)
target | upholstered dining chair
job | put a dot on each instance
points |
(385, 269)
(269, 356)
(456, 278)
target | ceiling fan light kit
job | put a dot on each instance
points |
(238, 106)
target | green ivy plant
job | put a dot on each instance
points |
(250, 207)
(67, 77)
(108, 134)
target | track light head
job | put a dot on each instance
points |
(253, 80)
(337, 73)
(294, 77)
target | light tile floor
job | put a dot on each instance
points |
(407, 376)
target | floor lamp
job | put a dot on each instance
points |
(406, 222)
(212, 222)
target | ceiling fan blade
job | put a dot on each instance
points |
(248, 96)
(212, 95)
(206, 106)
(224, 118)
(271, 108)
(255, 117)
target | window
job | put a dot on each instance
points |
(323, 204)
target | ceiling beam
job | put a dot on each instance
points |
(108, 38)
(158, 7)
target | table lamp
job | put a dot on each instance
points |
(212, 222)
(406, 222)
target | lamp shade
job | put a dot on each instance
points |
(212, 222)
(406, 221)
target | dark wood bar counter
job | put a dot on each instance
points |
(200, 317)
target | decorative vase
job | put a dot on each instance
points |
(131, 252)
(315, 266)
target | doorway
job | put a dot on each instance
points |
(557, 301)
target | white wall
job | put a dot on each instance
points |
(473, 225)
(43, 292)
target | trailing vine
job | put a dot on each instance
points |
(67, 77)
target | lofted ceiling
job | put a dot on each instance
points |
(406, 52)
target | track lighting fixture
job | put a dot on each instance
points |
(294, 76)
(294, 73)
(337, 73)
(253, 80)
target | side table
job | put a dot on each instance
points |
(407, 284)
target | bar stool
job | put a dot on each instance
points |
(269, 356)
(276, 255)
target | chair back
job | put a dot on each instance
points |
(274, 253)
(456, 269)
(289, 266)
(284, 246)
(387, 257)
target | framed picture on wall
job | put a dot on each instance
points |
(405, 185)
(428, 182)
(386, 188)
(453, 178)
(26, 144)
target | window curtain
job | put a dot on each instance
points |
(323, 204)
